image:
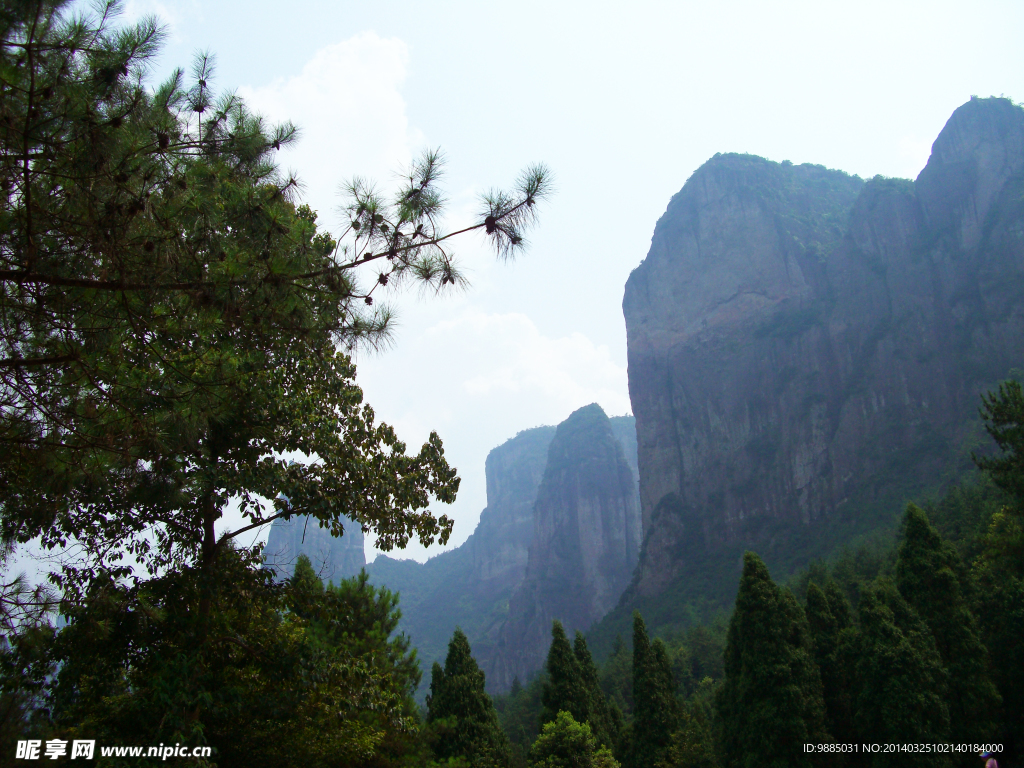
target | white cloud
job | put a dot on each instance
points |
(172, 16)
(348, 105)
(510, 357)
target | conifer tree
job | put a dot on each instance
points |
(564, 690)
(461, 713)
(601, 718)
(771, 701)
(926, 576)
(692, 744)
(1003, 414)
(617, 676)
(1000, 566)
(838, 605)
(1000, 573)
(901, 684)
(826, 630)
(655, 710)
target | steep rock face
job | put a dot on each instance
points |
(801, 343)
(586, 538)
(499, 547)
(470, 586)
(333, 558)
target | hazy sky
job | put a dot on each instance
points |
(623, 103)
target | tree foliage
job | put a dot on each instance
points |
(172, 323)
(1003, 414)
(828, 618)
(771, 703)
(604, 724)
(461, 713)
(270, 675)
(901, 683)
(171, 320)
(655, 709)
(926, 576)
(566, 743)
(564, 690)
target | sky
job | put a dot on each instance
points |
(623, 102)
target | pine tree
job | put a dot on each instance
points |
(171, 322)
(771, 702)
(564, 690)
(926, 576)
(900, 694)
(655, 710)
(601, 719)
(461, 713)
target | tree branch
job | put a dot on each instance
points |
(257, 524)
(28, 362)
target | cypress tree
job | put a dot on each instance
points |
(655, 710)
(1000, 571)
(564, 690)
(1000, 568)
(826, 630)
(461, 713)
(838, 605)
(901, 684)
(692, 744)
(926, 576)
(601, 721)
(1003, 414)
(618, 677)
(771, 702)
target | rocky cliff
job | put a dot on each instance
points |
(585, 543)
(470, 586)
(332, 558)
(806, 349)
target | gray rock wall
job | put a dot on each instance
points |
(800, 341)
(585, 543)
(333, 558)
(470, 586)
